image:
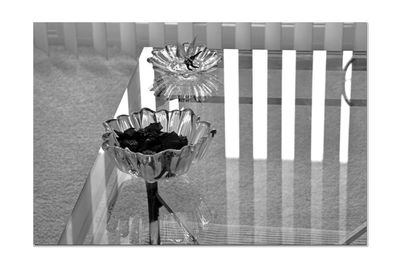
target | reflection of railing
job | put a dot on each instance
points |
(315, 163)
(131, 37)
(320, 181)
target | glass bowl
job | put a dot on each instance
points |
(186, 59)
(166, 163)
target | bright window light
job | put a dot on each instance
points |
(123, 107)
(173, 104)
(317, 141)
(344, 144)
(146, 80)
(231, 94)
(288, 103)
(318, 105)
(260, 103)
(345, 112)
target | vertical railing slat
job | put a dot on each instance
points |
(344, 145)
(331, 164)
(348, 36)
(260, 141)
(302, 158)
(257, 35)
(214, 35)
(318, 39)
(58, 39)
(274, 140)
(317, 139)
(246, 172)
(200, 31)
(40, 36)
(303, 36)
(357, 175)
(228, 35)
(113, 34)
(70, 37)
(288, 137)
(332, 128)
(287, 36)
(273, 36)
(243, 35)
(171, 33)
(142, 36)
(156, 34)
(134, 95)
(185, 32)
(333, 36)
(128, 38)
(360, 36)
(84, 33)
(100, 38)
(232, 141)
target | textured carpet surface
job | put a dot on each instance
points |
(72, 97)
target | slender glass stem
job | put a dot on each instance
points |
(153, 207)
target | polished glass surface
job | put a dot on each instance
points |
(287, 166)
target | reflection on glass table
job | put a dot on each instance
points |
(128, 223)
(288, 165)
(197, 87)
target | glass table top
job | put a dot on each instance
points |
(288, 164)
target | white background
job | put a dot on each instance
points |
(16, 76)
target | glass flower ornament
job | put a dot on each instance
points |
(185, 71)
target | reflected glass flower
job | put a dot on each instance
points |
(198, 86)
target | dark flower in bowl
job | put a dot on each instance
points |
(150, 140)
(157, 144)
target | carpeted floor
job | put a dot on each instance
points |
(72, 97)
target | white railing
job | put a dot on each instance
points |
(132, 37)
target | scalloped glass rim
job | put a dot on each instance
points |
(166, 163)
(110, 129)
